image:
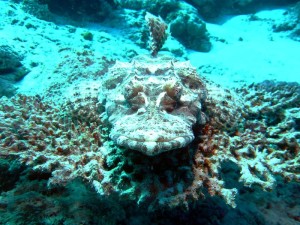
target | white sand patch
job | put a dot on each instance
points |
(48, 46)
(249, 51)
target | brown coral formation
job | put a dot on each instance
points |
(158, 35)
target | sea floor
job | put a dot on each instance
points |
(245, 50)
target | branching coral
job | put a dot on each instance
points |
(274, 113)
(266, 141)
(50, 140)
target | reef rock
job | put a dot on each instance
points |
(11, 70)
(185, 24)
(78, 10)
(153, 103)
(213, 8)
(290, 23)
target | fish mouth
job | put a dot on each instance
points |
(151, 137)
(151, 147)
(152, 133)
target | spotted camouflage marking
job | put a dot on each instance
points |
(153, 103)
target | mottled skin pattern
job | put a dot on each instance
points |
(152, 103)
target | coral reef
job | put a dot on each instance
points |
(28, 199)
(59, 160)
(46, 138)
(266, 140)
(274, 112)
(255, 127)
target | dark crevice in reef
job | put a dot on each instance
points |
(168, 167)
(10, 172)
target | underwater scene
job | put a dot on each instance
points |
(162, 112)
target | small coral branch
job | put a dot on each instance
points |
(157, 28)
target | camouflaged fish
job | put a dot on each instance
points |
(152, 103)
